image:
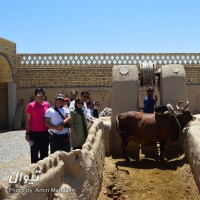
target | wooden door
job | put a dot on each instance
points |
(3, 105)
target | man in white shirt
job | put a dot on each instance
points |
(90, 106)
(57, 120)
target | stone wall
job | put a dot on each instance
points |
(66, 176)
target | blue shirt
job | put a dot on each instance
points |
(149, 103)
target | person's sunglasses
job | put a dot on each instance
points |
(60, 99)
(80, 103)
(39, 94)
(86, 96)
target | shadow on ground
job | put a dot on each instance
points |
(148, 158)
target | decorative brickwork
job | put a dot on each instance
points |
(8, 50)
(193, 75)
(7, 46)
(65, 76)
(108, 59)
(92, 70)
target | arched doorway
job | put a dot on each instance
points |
(5, 78)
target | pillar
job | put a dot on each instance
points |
(125, 97)
(12, 102)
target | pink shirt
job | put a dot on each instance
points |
(37, 112)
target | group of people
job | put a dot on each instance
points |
(62, 126)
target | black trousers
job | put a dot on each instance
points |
(40, 146)
(80, 147)
(59, 142)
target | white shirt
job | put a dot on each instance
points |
(56, 119)
(90, 113)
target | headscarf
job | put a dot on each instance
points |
(81, 113)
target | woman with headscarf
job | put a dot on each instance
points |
(78, 125)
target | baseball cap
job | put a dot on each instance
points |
(60, 96)
(66, 99)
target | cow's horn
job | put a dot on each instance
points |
(187, 104)
(170, 107)
(177, 105)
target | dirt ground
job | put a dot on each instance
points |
(149, 178)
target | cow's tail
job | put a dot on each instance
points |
(124, 138)
(117, 123)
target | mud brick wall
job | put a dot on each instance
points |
(67, 76)
(66, 176)
(192, 75)
(192, 148)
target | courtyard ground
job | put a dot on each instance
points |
(148, 178)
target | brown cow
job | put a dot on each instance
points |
(155, 127)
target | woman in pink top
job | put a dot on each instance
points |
(36, 131)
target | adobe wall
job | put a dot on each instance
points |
(192, 148)
(66, 176)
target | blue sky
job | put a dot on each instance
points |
(106, 26)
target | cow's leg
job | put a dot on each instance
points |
(125, 155)
(138, 151)
(162, 147)
(157, 150)
(124, 137)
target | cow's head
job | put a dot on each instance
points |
(184, 116)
